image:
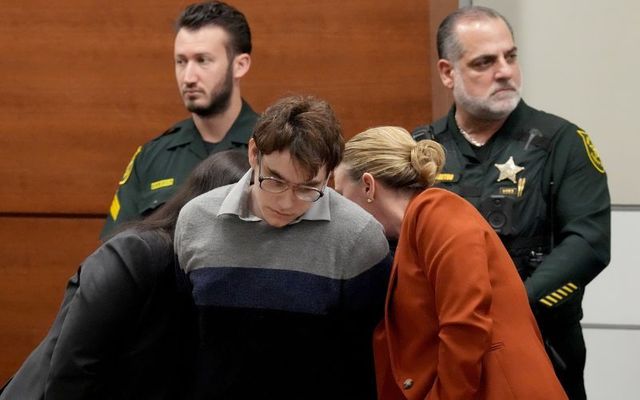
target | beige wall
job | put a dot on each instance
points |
(580, 61)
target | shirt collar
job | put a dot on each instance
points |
(237, 200)
(239, 133)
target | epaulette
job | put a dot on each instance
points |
(429, 131)
(175, 128)
(171, 130)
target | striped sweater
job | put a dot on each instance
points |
(284, 312)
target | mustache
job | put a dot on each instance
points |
(505, 86)
(191, 89)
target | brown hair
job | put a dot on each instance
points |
(391, 155)
(216, 13)
(305, 126)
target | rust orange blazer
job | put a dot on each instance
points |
(457, 320)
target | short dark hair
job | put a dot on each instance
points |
(305, 126)
(449, 48)
(217, 13)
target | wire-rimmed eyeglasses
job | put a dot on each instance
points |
(276, 185)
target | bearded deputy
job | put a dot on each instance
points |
(535, 177)
(211, 54)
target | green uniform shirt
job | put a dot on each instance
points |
(557, 233)
(160, 166)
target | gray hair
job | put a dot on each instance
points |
(449, 48)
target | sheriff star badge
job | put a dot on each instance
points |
(508, 170)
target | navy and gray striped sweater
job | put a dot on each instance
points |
(284, 312)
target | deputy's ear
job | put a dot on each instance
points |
(446, 71)
(241, 65)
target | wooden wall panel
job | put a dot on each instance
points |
(38, 256)
(369, 59)
(441, 97)
(83, 83)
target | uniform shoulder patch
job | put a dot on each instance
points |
(127, 171)
(594, 157)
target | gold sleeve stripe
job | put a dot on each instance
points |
(546, 303)
(553, 298)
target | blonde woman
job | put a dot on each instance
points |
(457, 320)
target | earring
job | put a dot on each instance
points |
(369, 200)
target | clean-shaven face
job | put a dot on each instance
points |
(280, 209)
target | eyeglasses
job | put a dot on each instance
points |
(277, 185)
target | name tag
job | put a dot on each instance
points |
(447, 177)
(161, 184)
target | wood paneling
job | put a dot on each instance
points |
(369, 59)
(38, 256)
(83, 84)
(442, 99)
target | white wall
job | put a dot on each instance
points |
(580, 60)
(612, 316)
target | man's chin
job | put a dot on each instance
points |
(278, 222)
(193, 107)
(501, 109)
(208, 110)
(196, 106)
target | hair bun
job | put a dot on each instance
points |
(427, 158)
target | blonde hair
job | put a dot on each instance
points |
(391, 155)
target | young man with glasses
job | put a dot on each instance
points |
(289, 277)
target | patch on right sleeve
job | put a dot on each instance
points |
(594, 157)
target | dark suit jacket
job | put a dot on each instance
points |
(123, 331)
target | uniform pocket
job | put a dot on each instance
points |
(153, 199)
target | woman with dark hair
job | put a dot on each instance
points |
(125, 330)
